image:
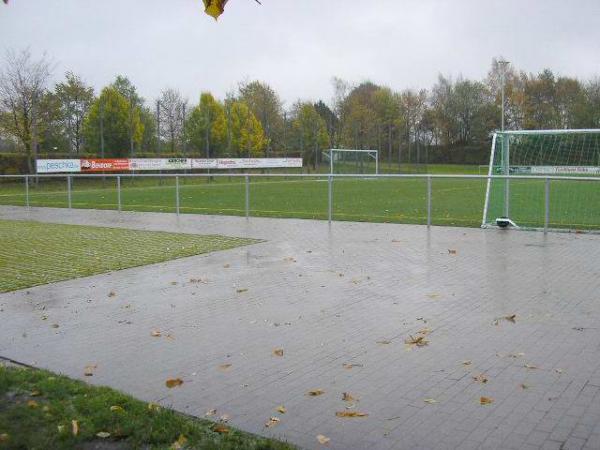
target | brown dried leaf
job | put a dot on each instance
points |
(226, 266)
(512, 318)
(4, 437)
(289, 259)
(467, 362)
(55, 325)
(418, 341)
(315, 392)
(173, 382)
(530, 366)
(351, 366)
(486, 400)
(348, 398)
(451, 251)
(524, 386)
(88, 370)
(350, 414)
(74, 427)
(272, 422)
(322, 439)
(155, 333)
(224, 367)
(481, 378)
(112, 294)
(239, 291)
(220, 428)
(278, 352)
(281, 409)
(32, 404)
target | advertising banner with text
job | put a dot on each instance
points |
(160, 164)
(105, 165)
(246, 163)
(57, 165)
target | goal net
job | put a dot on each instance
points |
(571, 203)
(352, 161)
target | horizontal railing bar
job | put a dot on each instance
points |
(304, 175)
(545, 132)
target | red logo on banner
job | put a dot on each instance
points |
(105, 165)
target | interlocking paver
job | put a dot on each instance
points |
(396, 280)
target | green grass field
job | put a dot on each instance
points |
(455, 202)
(38, 253)
(39, 409)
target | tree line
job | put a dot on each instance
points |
(451, 122)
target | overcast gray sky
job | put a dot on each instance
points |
(297, 46)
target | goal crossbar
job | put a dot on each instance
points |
(374, 154)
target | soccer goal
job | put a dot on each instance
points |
(533, 203)
(352, 161)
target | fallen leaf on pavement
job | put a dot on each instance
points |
(418, 341)
(431, 401)
(224, 367)
(524, 386)
(384, 342)
(322, 439)
(278, 352)
(112, 294)
(350, 414)
(559, 370)
(486, 400)
(155, 333)
(173, 382)
(281, 409)
(481, 378)
(451, 251)
(272, 422)
(88, 370)
(467, 362)
(239, 291)
(530, 366)
(347, 397)
(315, 392)
(210, 412)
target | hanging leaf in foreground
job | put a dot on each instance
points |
(213, 8)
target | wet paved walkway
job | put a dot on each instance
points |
(340, 302)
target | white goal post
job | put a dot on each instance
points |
(528, 203)
(350, 156)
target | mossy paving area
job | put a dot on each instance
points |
(38, 253)
(455, 202)
(42, 410)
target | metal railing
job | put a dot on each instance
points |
(28, 179)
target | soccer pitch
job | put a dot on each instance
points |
(454, 202)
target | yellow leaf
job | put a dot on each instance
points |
(153, 406)
(315, 392)
(350, 414)
(116, 408)
(278, 352)
(179, 443)
(281, 409)
(272, 422)
(35, 393)
(431, 401)
(173, 382)
(60, 428)
(155, 333)
(103, 434)
(224, 367)
(486, 400)
(74, 427)
(418, 341)
(322, 439)
(214, 8)
(32, 404)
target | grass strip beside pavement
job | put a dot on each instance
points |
(39, 409)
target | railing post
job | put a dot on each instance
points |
(428, 200)
(69, 191)
(329, 198)
(27, 190)
(247, 183)
(507, 198)
(119, 193)
(547, 205)
(177, 194)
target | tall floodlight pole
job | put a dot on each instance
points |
(157, 127)
(503, 64)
